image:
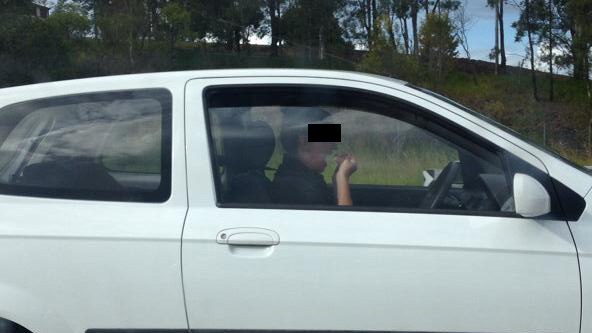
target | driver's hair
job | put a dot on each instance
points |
(295, 124)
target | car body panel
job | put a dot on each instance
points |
(71, 265)
(76, 265)
(572, 177)
(367, 271)
(582, 233)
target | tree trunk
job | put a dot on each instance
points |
(436, 6)
(370, 23)
(321, 44)
(131, 52)
(278, 15)
(391, 31)
(374, 12)
(501, 35)
(496, 48)
(531, 48)
(551, 88)
(578, 70)
(589, 93)
(94, 20)
(414, 10)
(236, 40)
(274, 26)
(172, 39)
(405, 32)
(580, 49)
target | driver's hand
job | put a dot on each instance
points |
(346, 165)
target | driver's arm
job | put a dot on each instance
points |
(347, 166)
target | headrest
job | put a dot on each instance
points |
(248, 147)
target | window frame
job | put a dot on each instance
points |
(160, 94)
(409, 107)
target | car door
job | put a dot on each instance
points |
(269, 265)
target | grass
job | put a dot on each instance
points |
(560, 125)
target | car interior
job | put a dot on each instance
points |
(477, 181)
(245, 147)
(61, 148)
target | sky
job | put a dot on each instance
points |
(481, 33)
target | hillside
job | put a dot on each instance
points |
(561, 124)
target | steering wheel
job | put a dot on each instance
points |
(439, 187)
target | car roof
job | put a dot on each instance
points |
(581, 181)
(214, 73)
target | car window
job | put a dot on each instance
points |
(103, 146)
(406, 158)
(390, 151)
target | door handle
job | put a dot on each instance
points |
(248, 237)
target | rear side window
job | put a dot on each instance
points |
(111, 146)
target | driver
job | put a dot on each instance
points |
(299, 178)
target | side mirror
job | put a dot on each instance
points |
(530, 197)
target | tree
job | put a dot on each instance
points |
(274, 12)
(413, 12)
(539, 19)
(402, 10)
(71, 21)
(578, 23)
(496, 52)
(438, 42)
(365, 14)
(313, 24)
(426, 6)
(229, 22)
(394, 18)
(89, 6)
(463, 24)
(33, 50)
(13, 13)
(119, 24)
(499, 50)
(500, 19)
(546, 13)
(442, 6)
(550, 39)
(526, 25)
(176, 19)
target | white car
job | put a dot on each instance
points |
(196, 201)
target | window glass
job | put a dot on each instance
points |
(392, 152)
(389, 155)
(104, 146)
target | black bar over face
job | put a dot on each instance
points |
(324, 132)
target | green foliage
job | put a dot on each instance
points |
(70, 25)
(33, 49)
(176, 19)
(229, 22)
(385, 60)
(313, 24)
(175, 16)
(84, 38)
(69, 7)
(438, 41)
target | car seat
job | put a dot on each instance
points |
(69, 174)
(247, 150)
